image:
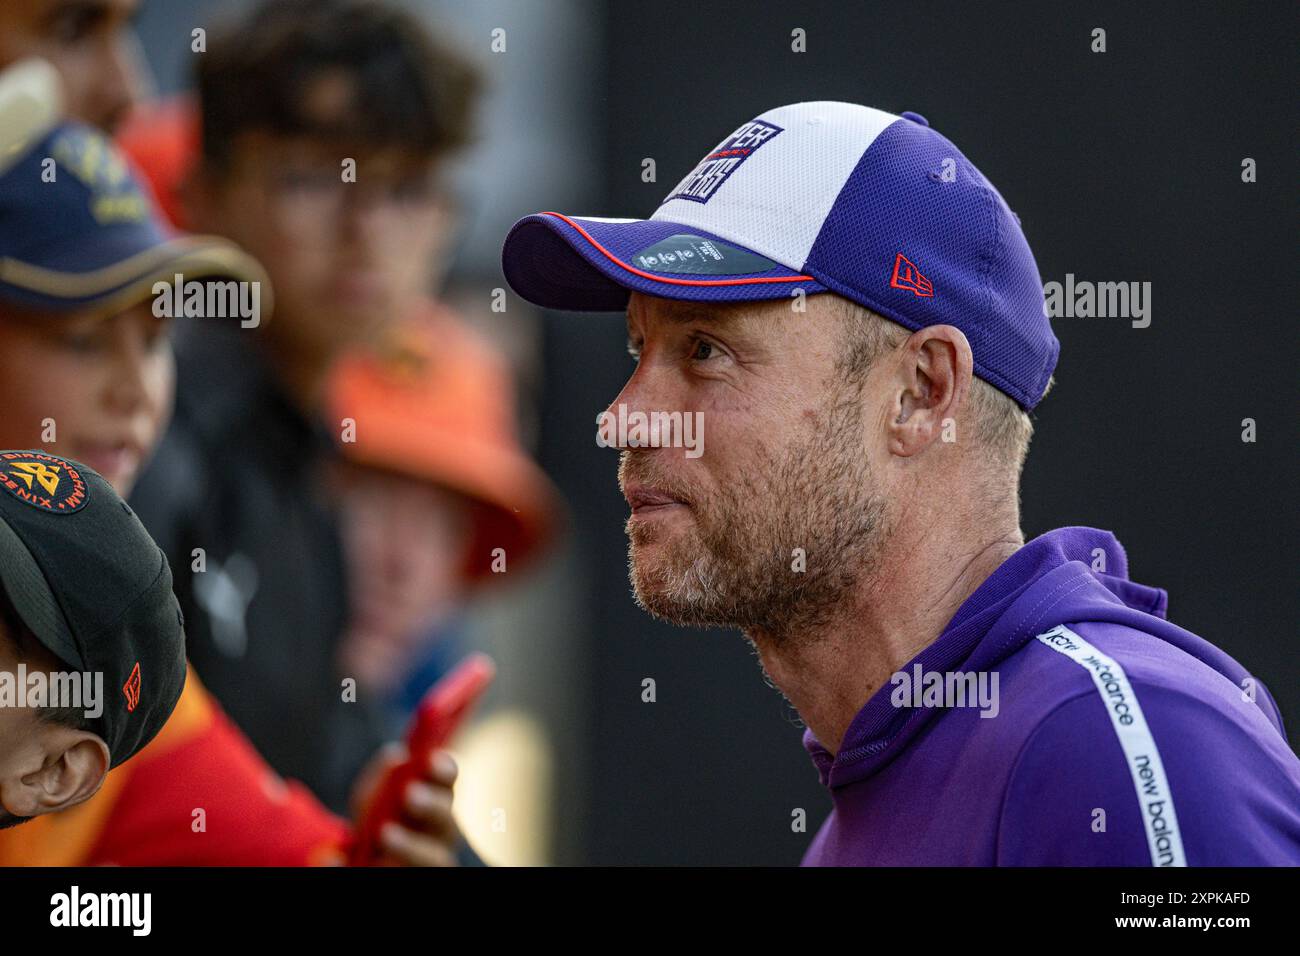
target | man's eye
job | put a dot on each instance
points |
(703, 350)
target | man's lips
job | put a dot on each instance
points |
(644, 500)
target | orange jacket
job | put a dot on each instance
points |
(197, 795)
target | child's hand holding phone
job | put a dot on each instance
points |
(405, 797)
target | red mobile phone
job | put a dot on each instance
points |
(440, 712)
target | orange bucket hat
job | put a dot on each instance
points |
(436, 403)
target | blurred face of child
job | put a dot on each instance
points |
(93, 387)
(345, 257)
(90, 43)
(406, 542)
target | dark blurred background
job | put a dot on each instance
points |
(1123, 166)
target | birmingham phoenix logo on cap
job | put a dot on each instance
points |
(43, 481)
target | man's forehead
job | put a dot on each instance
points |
(642, 307)
(736, 316)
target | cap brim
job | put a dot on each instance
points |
(130, 279)
(586, 264)
(30, 594)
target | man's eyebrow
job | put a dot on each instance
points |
(687, 311)
(683, 311)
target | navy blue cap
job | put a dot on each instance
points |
(77, 227)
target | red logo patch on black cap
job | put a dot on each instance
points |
(132, 689)
(43, 481)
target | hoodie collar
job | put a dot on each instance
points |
(990, 625)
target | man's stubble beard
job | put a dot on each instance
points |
(734, 565)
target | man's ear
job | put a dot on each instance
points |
(933, 374)
(64, 767)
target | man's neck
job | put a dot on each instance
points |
(893, 614)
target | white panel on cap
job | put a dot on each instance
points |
(777, 199)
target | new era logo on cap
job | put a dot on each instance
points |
(908, 276)
(817, 197)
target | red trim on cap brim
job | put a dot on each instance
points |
(658, 278)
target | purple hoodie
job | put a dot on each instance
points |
(1114, 738)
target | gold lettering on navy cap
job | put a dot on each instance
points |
(43, 481)
(92, 159)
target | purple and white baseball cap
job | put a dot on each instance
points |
(823, 197)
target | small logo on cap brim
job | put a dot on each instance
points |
(696, 255)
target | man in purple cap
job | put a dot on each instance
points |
(854, 310)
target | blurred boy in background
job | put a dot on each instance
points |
(438, 501)
(323, 131)
(437, 494)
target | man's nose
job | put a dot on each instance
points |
(629, 396)
(645, 392)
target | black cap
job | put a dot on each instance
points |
(94, 588)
